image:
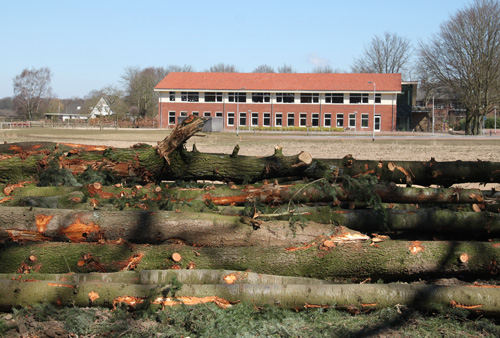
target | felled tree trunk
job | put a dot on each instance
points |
(388, 260)
(353, 296)
(424, 173)
(205, 229)
(171, 161)
(325, 192)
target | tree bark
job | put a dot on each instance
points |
(205, 229)
(324, 192)
(389, 260)
(352, 296)
(24, 161)
(423, 173)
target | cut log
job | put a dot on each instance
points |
(38, 224)
(324, 192)
(159, 277)
(423, 173)
(353, 296)
(430, 220)
(389, 260)
(25, 161)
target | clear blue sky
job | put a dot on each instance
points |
(89, 44)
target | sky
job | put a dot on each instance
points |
(88, 45)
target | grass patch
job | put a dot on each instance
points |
(246, 320)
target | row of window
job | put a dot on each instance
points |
(280, 97)
(290, 119)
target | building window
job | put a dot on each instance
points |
(290, 120)
(327, 120)
(190, 96)
(334, 98)
(237, 97)
(267, 120)
(261, 97)
(364, 120)
(243, 119)
(340, 121)
(171, 117)
(285, 97)
(352, 120)
(184, 113)
(315, 120)
(171, 96)
(255, 119)
(303, 119)
(358, 98)
(207, 114)
(195, 113)
(213, 97)
(378, 98)
(309, 98)
(278, 120)
(230, 119)
(219, 114)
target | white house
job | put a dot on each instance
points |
(102, 108)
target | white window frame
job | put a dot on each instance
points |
(171, 114)
(267, 116)
(243, 117)
(302, 117)
(171, 96)
(352, 117)
(184, 113)
(255, 115)
(288, 115)
(278, 117)
(230, 116)
(365, 119)
(207, 114)
(337, 119)
(219, 114)
(314, 118)
(327, 117)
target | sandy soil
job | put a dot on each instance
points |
(416, 147)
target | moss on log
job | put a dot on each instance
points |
(388, 260)
(353, 296)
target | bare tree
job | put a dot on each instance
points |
(286, 69)
(389, 53)
(465, 58)
(223, 68)
(264, 69)
(180, 69)
(323, 69)
(139, 88)
(32, 91)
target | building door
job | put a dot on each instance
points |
(377, 122)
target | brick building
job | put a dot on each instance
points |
(282, 100)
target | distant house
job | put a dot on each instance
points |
(102, 108)
(72, 110)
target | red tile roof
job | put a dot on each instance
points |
(280, 81)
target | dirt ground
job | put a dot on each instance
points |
(412, 147)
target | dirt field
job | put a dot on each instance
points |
(418, 147)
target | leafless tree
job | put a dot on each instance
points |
(465, 58)
(139, 88)
(32, 91)
(323, 69)
(286, 69)
(223, 68)
(389, 53)
(180, 69)
(264, 69)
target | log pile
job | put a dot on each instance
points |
(145, 218)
